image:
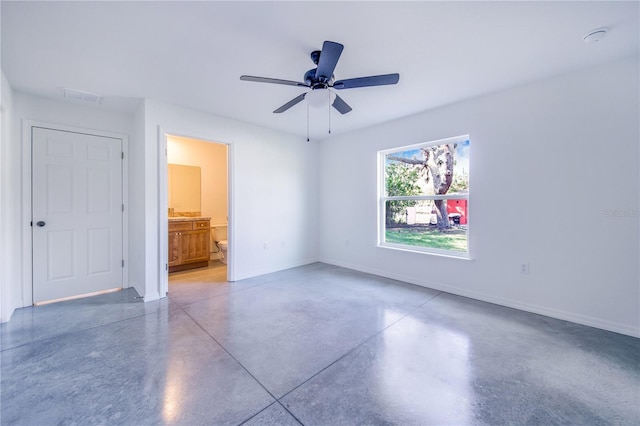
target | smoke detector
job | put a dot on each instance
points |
(594, 35)
(82, 96)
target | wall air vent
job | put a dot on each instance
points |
(79, 95)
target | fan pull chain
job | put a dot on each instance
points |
(329, 112)
(307, 121)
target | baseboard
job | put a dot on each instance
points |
(7, 313)
(147, 296)
(535, 309)
(275, 268)
(150, 296)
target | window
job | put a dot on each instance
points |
(424, 197)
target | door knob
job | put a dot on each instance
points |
(41, 224)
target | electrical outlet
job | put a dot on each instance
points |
(266, 245)
(524, 268)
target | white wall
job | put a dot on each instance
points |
(137, 203)
(10, 276)
(548, 161)
(274, 186)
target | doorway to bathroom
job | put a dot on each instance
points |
(197, 212)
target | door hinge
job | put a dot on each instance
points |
(122, 155)
(166, 267)
(122, 207)
(123, 263)
(32, 223)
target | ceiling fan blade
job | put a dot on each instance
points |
(272, 80)
(289, 104)
(341, 105)
(374, 80)
(329, 56)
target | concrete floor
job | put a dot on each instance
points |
(317, 345)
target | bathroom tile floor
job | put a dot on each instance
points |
(314, 345)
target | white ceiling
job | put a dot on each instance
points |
(193, 53)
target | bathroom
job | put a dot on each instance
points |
(197, 183)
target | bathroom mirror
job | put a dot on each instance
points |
(184, 189)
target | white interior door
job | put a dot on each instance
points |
(77, 214)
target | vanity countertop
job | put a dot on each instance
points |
(187, 219)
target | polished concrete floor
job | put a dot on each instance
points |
(315, 345)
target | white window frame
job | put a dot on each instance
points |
(383, 198)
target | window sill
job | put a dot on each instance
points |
(431, 252)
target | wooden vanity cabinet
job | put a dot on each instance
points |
(188, 244)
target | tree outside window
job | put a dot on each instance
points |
(424, 196)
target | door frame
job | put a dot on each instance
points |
(163, 215)
(27, 229)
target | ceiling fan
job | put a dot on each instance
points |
(321, 79)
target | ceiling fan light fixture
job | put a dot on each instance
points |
(320, 97)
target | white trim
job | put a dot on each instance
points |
(163, 215)
(163, 220)
(275, 268)
(27, 243)
(26, 296)
(445, 141)
(464, 255)
(125, 213)
(382, 202)
(231, 223)
(453, 196)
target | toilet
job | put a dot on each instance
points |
(224, 245)
(219, 243)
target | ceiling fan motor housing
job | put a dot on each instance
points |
(315, 56)
(310, 79)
